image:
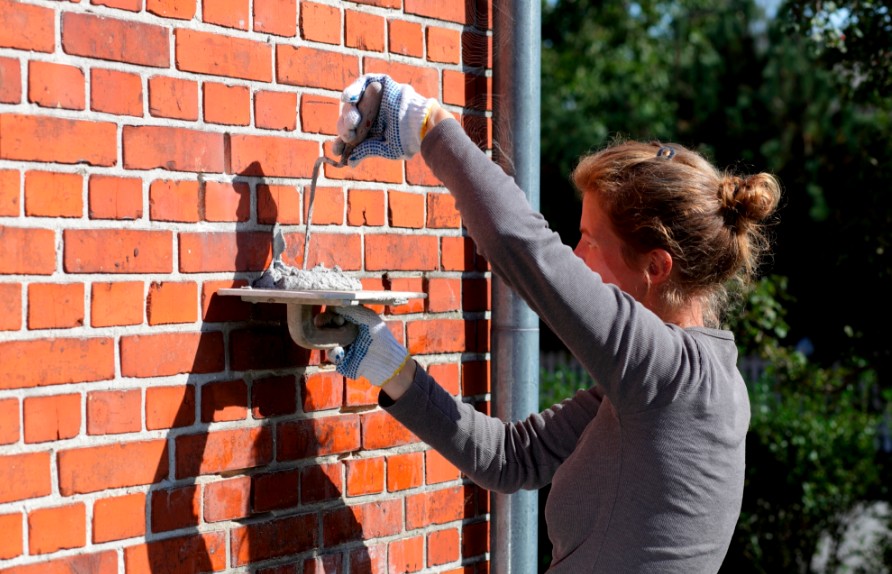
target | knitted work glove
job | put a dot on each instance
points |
(397, 130)
(374, 354)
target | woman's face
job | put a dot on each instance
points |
(601, 250)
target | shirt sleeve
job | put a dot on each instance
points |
(640, 361)
(503, 457)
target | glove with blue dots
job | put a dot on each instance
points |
(375, 354)
(397, 130)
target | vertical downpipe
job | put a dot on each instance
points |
(515, 328)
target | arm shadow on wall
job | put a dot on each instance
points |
(239, 456)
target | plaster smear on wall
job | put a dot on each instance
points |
(279, 275)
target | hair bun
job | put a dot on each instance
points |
(746, 200)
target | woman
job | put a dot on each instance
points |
(647, 468)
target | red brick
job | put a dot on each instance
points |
(312, 68)
(319, 114)
(227, 201)
(117, 465)
(58, 528)
(406, 38)
(443, 45)
(191, 553)
(114, 412)
(174, 98)
(418, 173)
(276, 491)
(172, 302)
(437, 336)
(223, 451)
(459, 254)
(262, 348)
(438, 469)
(318, 437)
(446, 375)
(229, 105)
(10, 192)
(323, 390)
(165, 354)
(412, 285)
(217, 308)
(275, 538)
(228, 13)
(448, 11)
(476, 50)
(177, 9)
(370, 169)
(467, 90)
(272, 156)
(425, 79)
(405, 209)
(228, 499)
(274, 396)
(406, 554)
(224, 401)
(400, 253)
(275, 110)
(475, 539)
(50, 194)
(55, 305)
(52, 418)
(43, 362)
(175, 508)
(365, 207)
(381, 3)
(363, 521)
(380, 430)
(103, 38)
(278, 203)
(224, 251)
(53, 85)
(320, 483)
(117, 251)
(364, 31)
(10, 81)
(170, 407)
(9, 423)
(365, 476)
(441, 212)
(442, 547)
(475, 378)
(217, 55)
(328, 206)
(114, 304)
(10, 307)
(114, 197)
(317, 565)
(370, 559)
(320, 23)
(119, 517)
(435, 507)
(27, 27)
(443, 294)
(360, 393)
(277, 17)
(404, 471)
(11, 543)
(173, 149)
(57, 140)
(332, 249)
(25, 476)
(101, 563)
(129, 5)
(476, 294)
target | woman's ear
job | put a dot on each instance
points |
(659, 267)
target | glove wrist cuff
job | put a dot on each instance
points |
(413, 113)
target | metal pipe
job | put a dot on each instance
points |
(515, 328)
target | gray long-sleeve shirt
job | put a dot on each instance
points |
(647, 468)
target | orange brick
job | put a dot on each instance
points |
(217, 308)
(170, 407)
(178, 9)
(27, 251)
(443, 45)
(174, 149)
(49, 194)
(56, 85)
(372, 520)
(9, 422)
(129, 5)
(171, 302)
(447, 376)
(10, 192)
(380, 430)
(165, 354)
(425, 79)
(113, 304)
(277, 17)
(57, 140)
(10, 80)
(272, 156)
(360, 393)
(312, 68)
(365, 476)
(320, 23)
(228, 13)
(52, 418)
(443, 294)
(114, 197)
(118, 465)
(468, 90)
(218, 55)
(116, 40)
(11, 543)
(275, 110)
(405, 209)
(365, 207)
(100, 563)
(227, 499)
(25, 476)
(174, 200)
(457, 254)
(437, 336)
(119, 517)
(406, 554)
(114, 412)
(435, 507)
(55, 305)
(450, 12)
(227, 201)
(224, 251)
(278, 203)
(224, 401)
(328, 206)
(115, 92)
(229, 105)
(53, 529)
(223, 451)
(27, 27)
(438, 469)
(400, 253)
(411, 284)
(173, 98)
(322, 390)
(442, 547)
(56, 361)
(364, 31)
(10, 306)
(404, 471)
(319, 114)
(332, 249)
(406, 38)
(418, 173)
(318, 437)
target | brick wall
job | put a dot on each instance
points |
(147, 424)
